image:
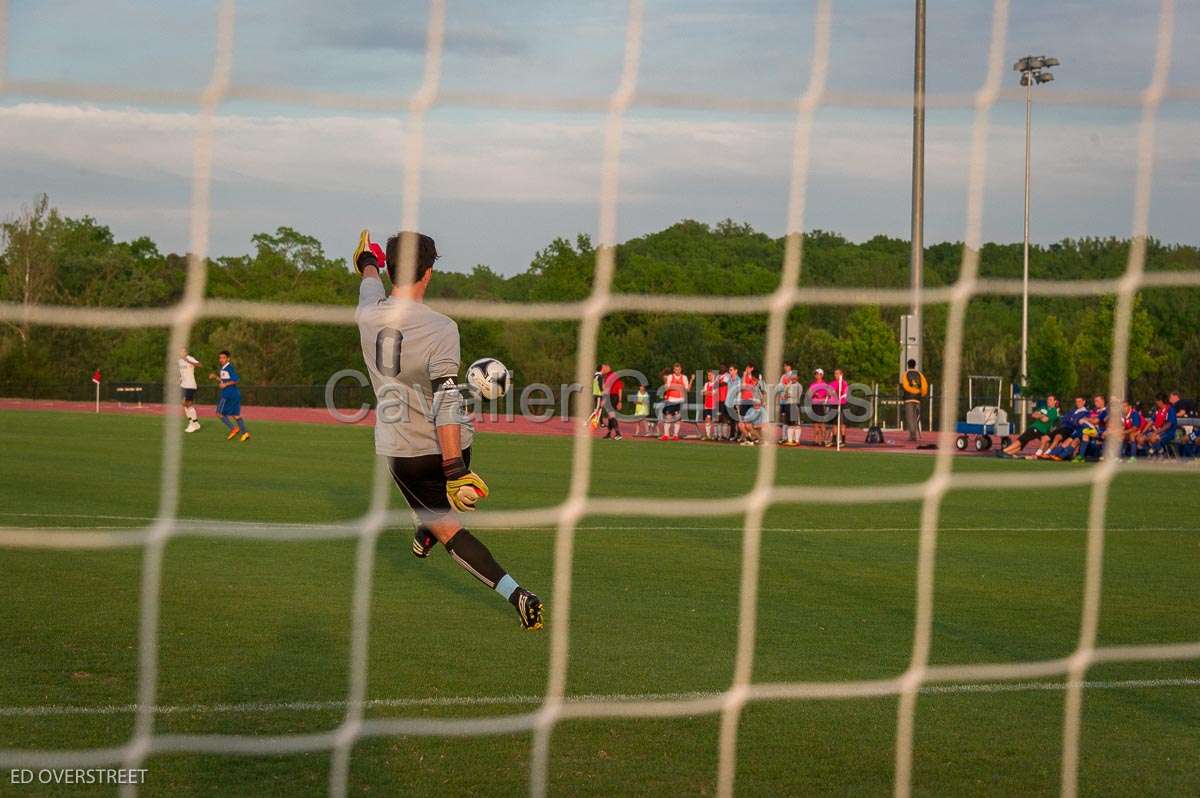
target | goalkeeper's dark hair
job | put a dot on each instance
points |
(426, 255)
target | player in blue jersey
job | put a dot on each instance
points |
(1094, 448)
(1131, 424)
(1166, 424)
(1068, 427)
(229, 406)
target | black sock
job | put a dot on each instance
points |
(472, 555)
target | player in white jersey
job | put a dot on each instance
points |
(421, 425)
(187, 381)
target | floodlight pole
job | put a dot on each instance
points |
(1033, 69)
(917, 256)
(1025, 262)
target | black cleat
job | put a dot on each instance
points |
(529, 608)
(423, 542)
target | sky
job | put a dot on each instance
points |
(498, 184)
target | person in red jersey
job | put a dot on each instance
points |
(729, 375)
(710, 398)
(675, 388)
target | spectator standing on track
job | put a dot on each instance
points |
(789, 406)
(913, 388)
(733, 392)
(641, 412)
(675, 387)
(728, 422)
(839, 389)
(612, 403)
(749, 393)
(710, 400)
(818, 402)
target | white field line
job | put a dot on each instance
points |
(258, 708)
(197, 523)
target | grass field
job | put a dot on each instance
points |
(261, 623)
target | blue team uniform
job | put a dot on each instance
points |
(230, 403)
(1074, 420)
(1172, 427)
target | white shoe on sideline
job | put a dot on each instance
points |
(192, 426)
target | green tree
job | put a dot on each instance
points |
(1092, 348)
(303, 252)
(29, 272)
(869, 351)
(50, 258)
(1051, 366)
(266, 353)
(812, 347)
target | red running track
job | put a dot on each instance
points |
(896, 440)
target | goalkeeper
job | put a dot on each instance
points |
(421, 424)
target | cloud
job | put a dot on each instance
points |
(132, 165)
(392, 28)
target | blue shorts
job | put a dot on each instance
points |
(230, 405)
(753, 416)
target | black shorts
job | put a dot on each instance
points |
(820, 412)
(726, 415)
(423, 483)
(1061, 432)
(708, 414)
(1029, 435)
(789, 414)
(189, 394)
(672, 409)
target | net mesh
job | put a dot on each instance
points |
(554, 706)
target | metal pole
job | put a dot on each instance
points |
(1025, 260)
(917, 257)
(840, 383)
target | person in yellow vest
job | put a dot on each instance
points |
(913, 387)
(641, 413)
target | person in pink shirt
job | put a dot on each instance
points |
(818, 400)
(838, 391)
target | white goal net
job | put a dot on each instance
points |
(556, 705)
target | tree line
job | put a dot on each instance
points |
(51, 258)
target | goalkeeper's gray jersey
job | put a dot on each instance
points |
(412, 355)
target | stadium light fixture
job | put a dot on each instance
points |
(1034, 70)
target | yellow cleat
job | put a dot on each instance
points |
(233, 433)
(245, 437)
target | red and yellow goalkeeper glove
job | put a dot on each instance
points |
(463, 487)
(368, 253)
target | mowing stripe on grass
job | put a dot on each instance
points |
(256, 708)
(352, 524)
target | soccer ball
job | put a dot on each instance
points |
(490, 377)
